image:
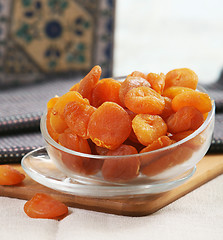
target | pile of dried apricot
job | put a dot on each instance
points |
(143, 113)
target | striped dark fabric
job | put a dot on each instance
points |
(22, 107)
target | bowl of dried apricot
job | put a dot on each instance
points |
(136, 130)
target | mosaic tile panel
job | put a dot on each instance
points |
(42, 39)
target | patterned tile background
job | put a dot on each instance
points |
(42, 39)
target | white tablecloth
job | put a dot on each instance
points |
(198, 215)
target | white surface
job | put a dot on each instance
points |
(198, 215)
(158, 36)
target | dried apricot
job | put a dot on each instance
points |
(52, 102)
(181, 135)
(183, 77)
(106, 90)
(159, 165)
(157, 81)
(172, 92)
(57, 123)
(75, 87)
(148, 128)
(44, 206)
(138, 74)
(144, 100)
(129, 83)
(187, 118)
(109, 126)
(10, 176)
(89, 81)
(121, 169)
(161, 142)
(78, 164)
(53, 134)
(167, 111)
(199, 100)
(77, 116)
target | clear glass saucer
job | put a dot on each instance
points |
(41, 169)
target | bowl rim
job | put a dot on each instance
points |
(56, 145)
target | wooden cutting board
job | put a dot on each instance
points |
(208, 168)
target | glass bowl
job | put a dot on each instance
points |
(156, 166)
(161, 170)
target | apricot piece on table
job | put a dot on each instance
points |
(77, 116)
(10, 176)
(106, 90)
(199, 100)
(148, 128)
(129, 83)
(44, 206)
(121, 169)
(157, 81)
(187, 118)
(183, 77)
(89, 81)
(109, 126)
(144, 100)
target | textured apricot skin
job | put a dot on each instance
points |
(148, 128)
(187, 118)
(183, 77)
(44, 206)
(52, 102)
(77, 116)
(10, 176)
(57, 122)
(121, 169)
(106, 90)
(71, 96)
(144, 100)
(157, 81)
(109, 126)
(172, 92)
(129, 83)
(53, 134)
(167, 111)
(181, 135)
(161, 142)
(75, 87)
(176, 156)
(77, 164)
(137, 74)
(199, 100)
(89, 81)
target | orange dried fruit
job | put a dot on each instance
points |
(44, 206)
(77, 116)
(137, 74)
(106, 90)
(89, 81)
(157, 81)
(144, 100)
(172, 92)
(78, 164)
(10, 176)
(109, 126)
(148, 128)
(121, 169)
(183, 77)
(199, 100)
(163, 163)
(187, 118)
(53, 134)
(129, 83)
